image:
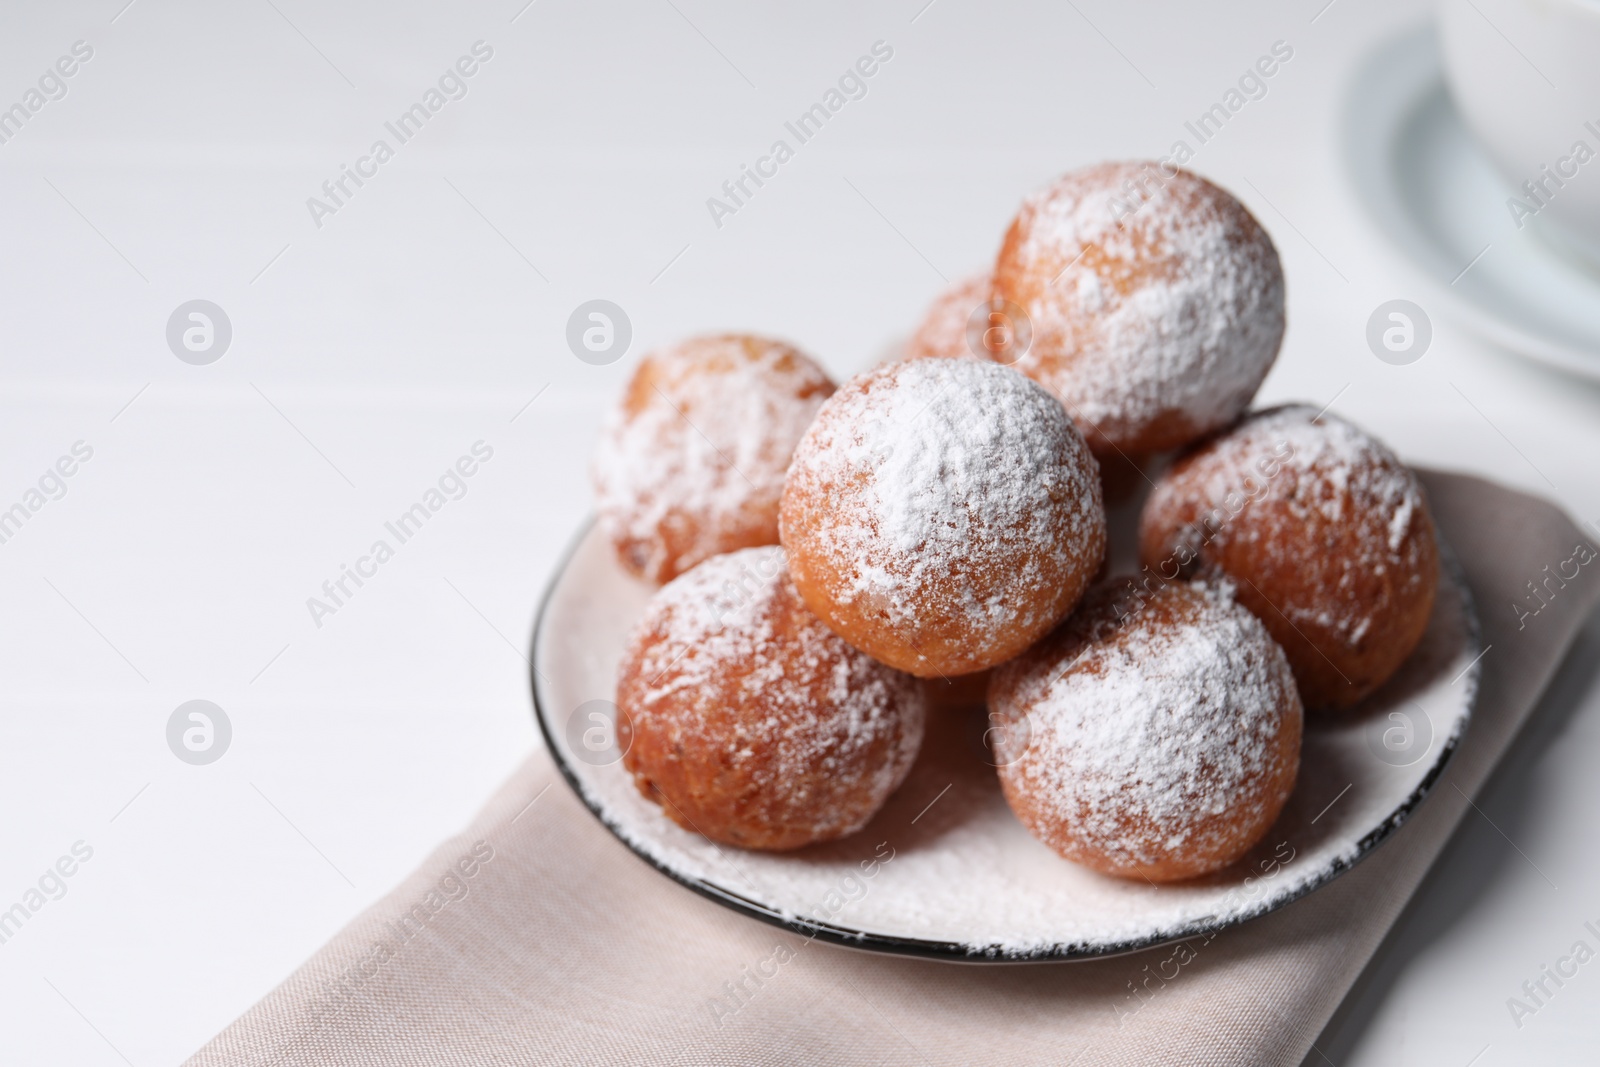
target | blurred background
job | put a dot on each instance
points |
(349, 353)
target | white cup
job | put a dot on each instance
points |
(1525, 74)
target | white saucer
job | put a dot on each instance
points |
(1435, 195)
(945, 870)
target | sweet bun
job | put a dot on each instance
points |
(1325, 533)
(943, 332)
(1155, 302)
(1154, 735)
(942, 514)
(748, 721)
(691, 462)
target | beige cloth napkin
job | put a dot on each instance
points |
(536, 938)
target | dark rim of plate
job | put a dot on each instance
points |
(958, 952)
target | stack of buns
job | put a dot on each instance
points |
(943, 517)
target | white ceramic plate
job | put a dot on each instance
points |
(1437, 198)
(945, 870)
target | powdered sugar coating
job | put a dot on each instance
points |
(1326, 533)
(1157, 303)
(942, 514)
(1160, 731)
(691, 462)
(750, 720)
(943, 332)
